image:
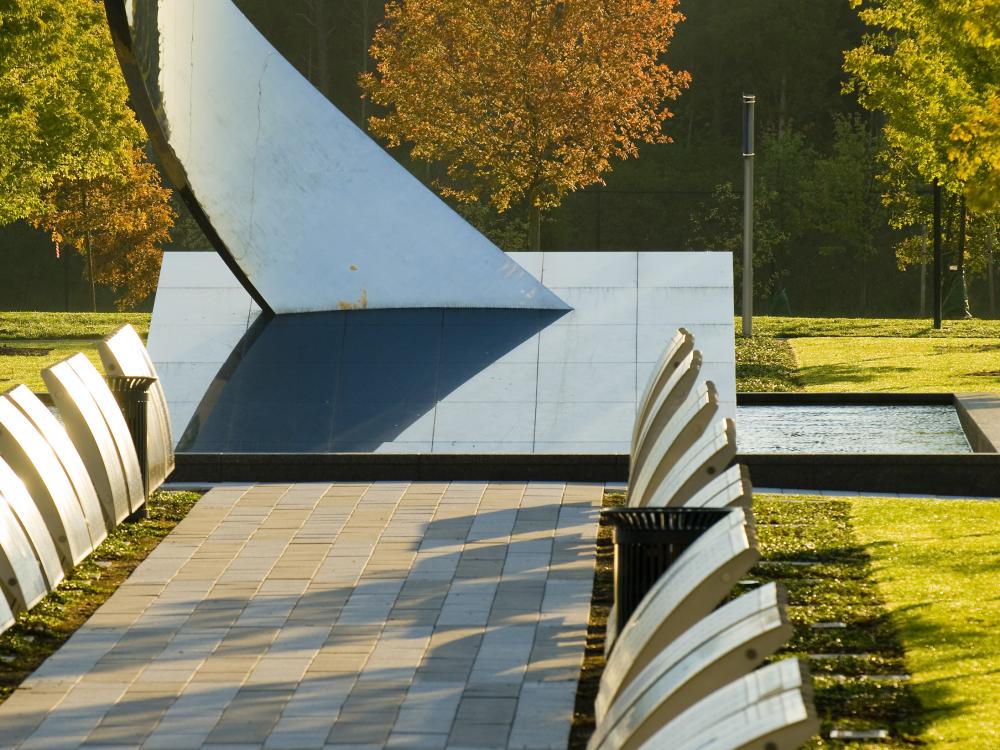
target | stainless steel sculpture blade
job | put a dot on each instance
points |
(689, 589)
(21, 578)
(26, 512)
(722, 647)
(309, 211)
(684, 429)
(55, 435)
(92, 437)
(124, 355)
(770, 708)
(33, 460)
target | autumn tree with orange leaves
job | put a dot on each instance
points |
(118, 221)
(523, 100)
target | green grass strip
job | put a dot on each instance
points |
(55, 325)
(766, 365)
(841, 587)
(932, 365)
(53, 620)
(938, 564)
(874, 327)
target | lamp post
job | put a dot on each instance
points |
(748, 105)
(937, 254)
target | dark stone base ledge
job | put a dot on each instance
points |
(368, 467)
(959, 474)
(955, 474)
(873, 398)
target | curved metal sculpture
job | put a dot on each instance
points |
(34, 461)
(23, 507)
(731, 489)
(99, 431)
(307, 210)
(124, 355)
(686, 425)
(689, 589)
(722, 647)
(770, 708)
(709, 457)
(55, 435)
(21, 580)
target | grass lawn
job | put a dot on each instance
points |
(866, 354)
(898, 364)
(937, 563)
(30, 341)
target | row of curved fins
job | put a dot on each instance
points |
(683, 672)
(65, 484)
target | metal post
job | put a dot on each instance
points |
(748, 105)
(937, 255)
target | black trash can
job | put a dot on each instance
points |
(132, 394)
(647, 541)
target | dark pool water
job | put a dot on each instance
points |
(849, 429)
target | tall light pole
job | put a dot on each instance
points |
(748, 104)
(937, 254)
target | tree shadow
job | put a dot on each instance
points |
(817, 375)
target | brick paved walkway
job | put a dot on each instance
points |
(330, 616)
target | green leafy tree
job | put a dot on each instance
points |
(843, 201)
(63, 102)
(932, 68)
(717, 224)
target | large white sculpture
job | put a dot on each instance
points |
(311, 212)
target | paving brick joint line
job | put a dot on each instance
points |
(312, 616)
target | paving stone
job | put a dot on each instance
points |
(358, 615)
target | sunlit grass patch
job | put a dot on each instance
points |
(937, 563)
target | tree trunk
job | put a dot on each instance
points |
(923, 290)
(534, 227)
(963, 289)
(989, 279)
(87, 250)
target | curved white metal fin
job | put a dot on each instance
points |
(771, 707)
(685, 428)
(35, 530)
(124, 355)
(34, 461)
(93, 439)
(689, 589)
(718, 649)
(56, 436)
(21, 578)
